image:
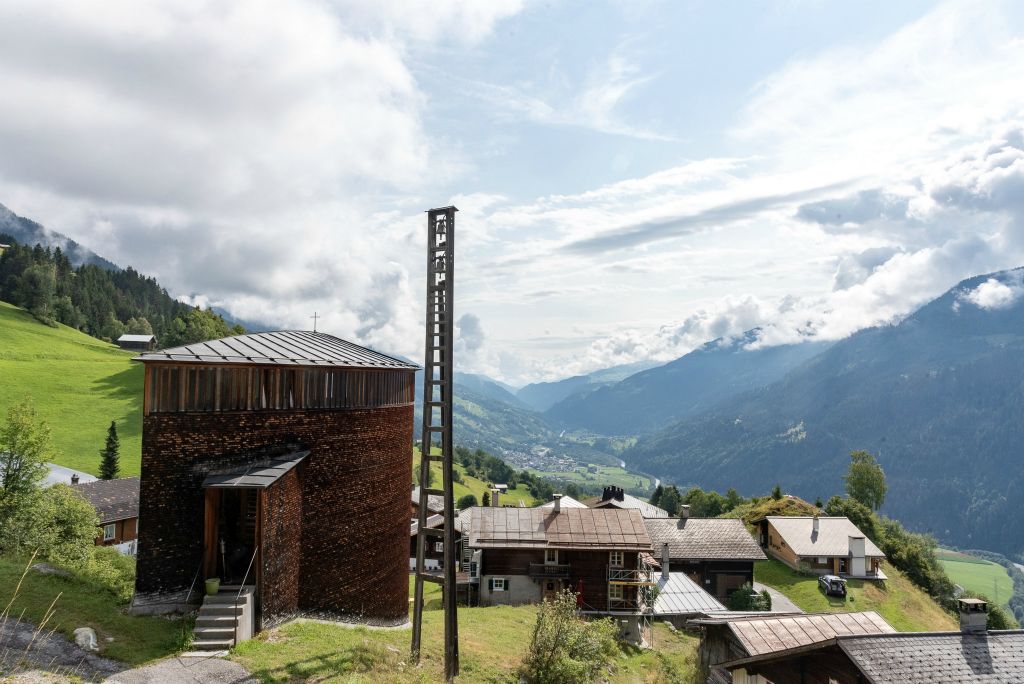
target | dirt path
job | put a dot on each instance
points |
(187, 670)
(779, 601)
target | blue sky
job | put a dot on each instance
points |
(634, 178)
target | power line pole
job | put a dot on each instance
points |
(437, 419)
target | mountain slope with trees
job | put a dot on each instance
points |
(649, 400)
(938, 397)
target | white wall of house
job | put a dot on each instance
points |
(519, 589)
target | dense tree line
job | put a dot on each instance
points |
(482, 465)
(102, 303)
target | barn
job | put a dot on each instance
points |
(281, 462)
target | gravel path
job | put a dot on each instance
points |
(779, 602)
(188, 670)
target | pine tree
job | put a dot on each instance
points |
(110, 463)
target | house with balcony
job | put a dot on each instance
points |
(526, 555)
(821, 544)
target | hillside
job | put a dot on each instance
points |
(938, 398)
(649, 400)
(977, 574)
(28, 232)
(78, 383)
(902, 604)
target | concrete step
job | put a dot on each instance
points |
(215, 633)
(234, 588)
(216, 621)
(220, 609)
(230, 599)
(212, 644)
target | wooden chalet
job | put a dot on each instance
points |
(117, 505)
(805, 651)
(728, 642)
(822, 545)
(718, 554)
(137, 342)
(525, 555)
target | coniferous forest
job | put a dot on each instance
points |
(101, 302)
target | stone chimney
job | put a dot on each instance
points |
(664, 561)
(613, 492)
(495, 494)
(684, 511)
(815, 525)
(74, 478)
(558, 503)
(973, 616)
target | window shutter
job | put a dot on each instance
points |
(490, 584)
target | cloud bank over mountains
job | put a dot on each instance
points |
(275, 161)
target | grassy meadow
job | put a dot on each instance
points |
(898, 600)
(492, 642)
(80, 603)
(78, 384)
(605, 475)
(977, 574)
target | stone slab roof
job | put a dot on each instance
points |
(646, 509)
(769, 635)
(435, 503)
(283, 348)
(566, 502)
(939, 657)
(574, 528)
(703, 539)
(832, 539)
(113, 499)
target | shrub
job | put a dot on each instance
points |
(566, 649)
(466, 501)
(111, 571)
(57, 522)
(745, 598)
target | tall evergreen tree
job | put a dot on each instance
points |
(110, 464)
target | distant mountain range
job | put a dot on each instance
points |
(543, 395)
(28, 232)
(649, 400)
(939, 398)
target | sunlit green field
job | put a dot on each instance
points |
(977, 574)
(78, 384)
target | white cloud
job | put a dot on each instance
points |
(994, 294)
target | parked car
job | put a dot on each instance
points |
(832, 585)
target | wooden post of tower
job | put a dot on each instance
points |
(437, 420)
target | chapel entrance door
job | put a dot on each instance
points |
(231, 534)
(551, 589)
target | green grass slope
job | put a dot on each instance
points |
(472, 485)
(80, 603)
(492, 643)
(78, 384)
(902, 604)
(978, 575)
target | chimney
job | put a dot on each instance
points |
(495, 493)
(74, 478)
(684, 511)
(973, 616)
(664, 561)
(815, 524)
(558, 503)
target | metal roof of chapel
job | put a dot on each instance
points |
(282, 348)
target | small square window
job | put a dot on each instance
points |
(551, 556)
(615, 559)
(109, 531)
(499, 584)
(615, 592)
(439, 547)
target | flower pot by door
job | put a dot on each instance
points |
(212, 586)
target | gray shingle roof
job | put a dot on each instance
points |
(566, 502)
(260, 473)
(113, 499)
(574, 528)
(680, 595)
(283, 348)
(948, 657)
(136, 338)
(435, 503)
(703, 539)
(833, 538)
(768, 635)
(646, 509)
